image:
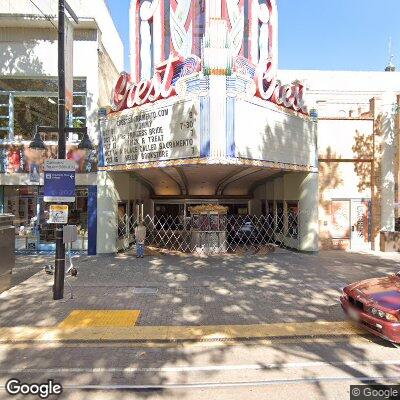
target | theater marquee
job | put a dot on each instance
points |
(153, 133)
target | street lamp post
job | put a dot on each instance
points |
(37, 143)
(59, 266)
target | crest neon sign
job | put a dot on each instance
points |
(225, 48)
(128, 94)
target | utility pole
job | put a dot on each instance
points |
(59, 270)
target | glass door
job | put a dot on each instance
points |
(360, 225)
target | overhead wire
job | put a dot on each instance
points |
(45, 15)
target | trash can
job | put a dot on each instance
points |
(7, 250)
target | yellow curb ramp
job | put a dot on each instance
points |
(78, 319)
(178, 333)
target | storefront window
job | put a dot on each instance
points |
(21, 202)
(31, 215)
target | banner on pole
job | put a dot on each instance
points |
(69, 70)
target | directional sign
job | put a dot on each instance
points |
(59, 181)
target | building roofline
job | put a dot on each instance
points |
(38, 21)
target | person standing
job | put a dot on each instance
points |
(140, 236)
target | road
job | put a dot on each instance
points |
(301, 368)
(186, 294)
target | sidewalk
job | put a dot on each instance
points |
(189, 297)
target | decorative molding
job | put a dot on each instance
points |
(181, 38)
(236, 18)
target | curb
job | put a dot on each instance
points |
(171, 334)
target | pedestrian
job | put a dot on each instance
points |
(140, 236)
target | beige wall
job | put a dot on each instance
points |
(114, 187)
(345, 138)
(345, 148)
(337, 93)
(108, 75)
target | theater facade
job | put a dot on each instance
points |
(203, 121)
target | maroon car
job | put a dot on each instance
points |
(375, 305)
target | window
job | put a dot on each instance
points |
(32, 232)
(4, 115)
(32, 111)
(28, 102)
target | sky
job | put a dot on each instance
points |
(321, 34)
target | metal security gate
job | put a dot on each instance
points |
(241, 232)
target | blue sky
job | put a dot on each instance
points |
(321, 34)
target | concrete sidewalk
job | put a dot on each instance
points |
(189, 297)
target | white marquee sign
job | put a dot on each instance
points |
(148, 133)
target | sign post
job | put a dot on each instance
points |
(59, 187)
(57, 177)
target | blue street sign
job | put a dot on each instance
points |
(59, 181)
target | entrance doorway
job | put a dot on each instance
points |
(360, 225)
(351, 223)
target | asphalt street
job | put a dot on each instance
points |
(313, 368)
(192, 293)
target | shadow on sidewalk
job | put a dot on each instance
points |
(287, 287)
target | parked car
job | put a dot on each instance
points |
(375, 305)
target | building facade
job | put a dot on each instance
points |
(202, 119)
(206, 140)
(358, 136)
(250, 143)
(28, 97)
